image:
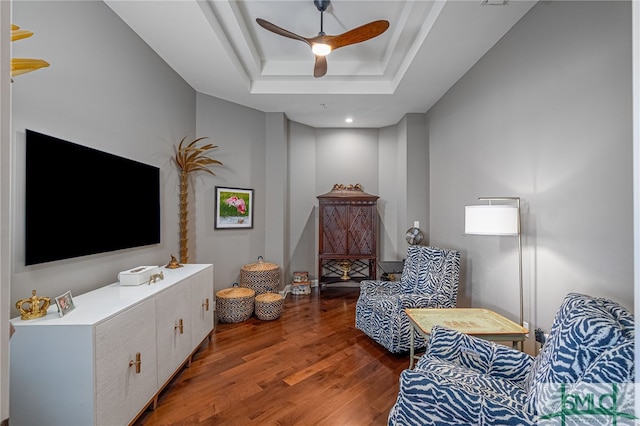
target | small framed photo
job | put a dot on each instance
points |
(234, 208)
(65, 304)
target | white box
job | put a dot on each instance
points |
(138, 275)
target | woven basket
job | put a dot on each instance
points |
(235, 304)
(301, 288)
(262, 277)
(269, 306)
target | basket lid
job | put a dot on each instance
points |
(235, 292)
(268, 297)
(260, 265)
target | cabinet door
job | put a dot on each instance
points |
(52, 375)
(334, 229)
(173, 328)
(121, 391)
(362, 239)
(201, 306)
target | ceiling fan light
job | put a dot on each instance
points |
(321, 49)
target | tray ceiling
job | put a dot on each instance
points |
(220, 50)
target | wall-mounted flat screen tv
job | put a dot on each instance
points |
(81, 201)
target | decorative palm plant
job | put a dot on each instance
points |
(190, 158)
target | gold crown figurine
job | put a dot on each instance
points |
(33, 307)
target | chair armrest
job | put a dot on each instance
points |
(478, 354)
(379, 287)
(418, 300)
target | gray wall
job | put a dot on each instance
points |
(302, 203)
(390, 162)
(546, 116)
(403, 175)
(392, 205)
(417, 173)
(105, 89)
(240, 134)
(320, 158)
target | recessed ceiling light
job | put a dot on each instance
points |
(348, 120)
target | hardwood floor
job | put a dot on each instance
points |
(309, 367)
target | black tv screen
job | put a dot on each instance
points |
(82, 201)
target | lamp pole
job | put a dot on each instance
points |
(519, 229)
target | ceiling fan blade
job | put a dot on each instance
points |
(320, 68)
(356, 35)
(280, 31)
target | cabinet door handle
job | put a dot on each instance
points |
(179, 325)
(206, 304)
(137, 363)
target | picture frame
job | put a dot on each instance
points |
(234, 208)
(65, 304)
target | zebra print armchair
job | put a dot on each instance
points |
(584, 374)
(429, 280)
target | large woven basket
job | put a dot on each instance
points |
(262, 277)
(235, 304)
(269, 306)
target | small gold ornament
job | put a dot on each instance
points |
(345, 267)
(173, 264)
(33, 307)
(155, 277)
(351, 187)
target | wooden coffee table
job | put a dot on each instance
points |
(472, 321)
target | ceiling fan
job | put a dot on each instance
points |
(322, 44)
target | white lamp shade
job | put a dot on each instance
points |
(491, 220)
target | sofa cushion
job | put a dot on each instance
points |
(416, 269)
(472, 381)
(444, 394)
(583, 329)
(623, 316)
(431, 270)
(479, 355)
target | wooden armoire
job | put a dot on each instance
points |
(348, 235)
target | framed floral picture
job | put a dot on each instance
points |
(234, 208)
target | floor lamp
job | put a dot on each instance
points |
(497, 219)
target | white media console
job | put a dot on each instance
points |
(106, 361)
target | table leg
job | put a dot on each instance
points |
(411, 347)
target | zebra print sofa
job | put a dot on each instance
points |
(429, 280)
(584, 374)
